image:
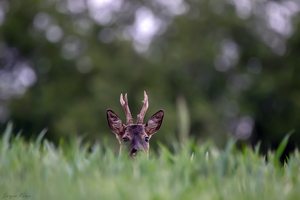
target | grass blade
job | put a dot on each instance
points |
(282, 146)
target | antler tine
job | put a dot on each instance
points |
(140, 117)
(124, 103)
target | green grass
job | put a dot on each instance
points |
(38, 170)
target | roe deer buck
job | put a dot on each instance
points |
(135, 136)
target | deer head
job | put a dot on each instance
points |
(134, 136)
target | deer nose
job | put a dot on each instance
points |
(133, 151)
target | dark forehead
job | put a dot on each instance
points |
(136, 128)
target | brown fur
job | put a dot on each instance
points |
(134, 136)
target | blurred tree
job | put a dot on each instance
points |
(231, 64)
(235, 63)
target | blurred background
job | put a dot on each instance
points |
(219, 69)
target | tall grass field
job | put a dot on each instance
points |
(39, 170)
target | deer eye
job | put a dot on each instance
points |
(146, 139)
(125, 139)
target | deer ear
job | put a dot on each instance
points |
(154, 122)
(114, 122)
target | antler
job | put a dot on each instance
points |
(124, 103)
(140, 117)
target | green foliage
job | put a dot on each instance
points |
(40, 170)
(210, 67)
